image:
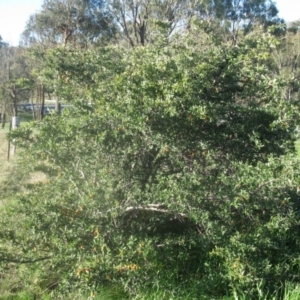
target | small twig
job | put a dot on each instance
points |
(263, 184)
(24, 261)
(154, 208)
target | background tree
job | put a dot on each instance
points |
(85, 22)
(74, 22)
(234, 16)
(15, 79)
(2, 43)
(140, 21)
(287, 58)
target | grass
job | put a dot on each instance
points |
(25, 117)
(292, 292)
(10, 174)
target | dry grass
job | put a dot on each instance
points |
(37, 177)
(5, 166)
(12, 178)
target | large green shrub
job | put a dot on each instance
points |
(171, 172)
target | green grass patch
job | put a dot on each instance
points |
(25, 117)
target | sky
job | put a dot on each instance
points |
(15, 13)
(13, 17)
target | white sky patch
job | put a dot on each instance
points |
(289, 10)
(13, 17)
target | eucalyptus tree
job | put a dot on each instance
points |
(2, 42)
(287, 60)
(236, 16)
(140, 21)
(2, 93)
(15, 78)
(73, 22)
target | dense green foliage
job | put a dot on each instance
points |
(174, 168)
(174, 173)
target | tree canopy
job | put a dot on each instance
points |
(76, 22)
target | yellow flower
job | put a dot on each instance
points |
(165, 150)
(129, 267)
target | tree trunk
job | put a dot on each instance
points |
(43, 100)
(13, 93)
(3, 116)
(33, 108)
